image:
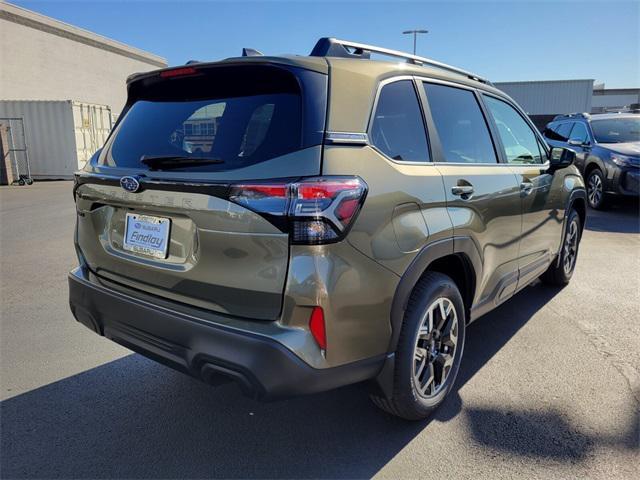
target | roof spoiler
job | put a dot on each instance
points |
(332, 47)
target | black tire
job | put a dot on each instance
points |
(21, 182)
(29, 181)
(560, 273)
(408, 401)
(595, 189)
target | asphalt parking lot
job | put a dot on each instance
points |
(549, 387)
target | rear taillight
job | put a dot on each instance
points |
(317, 210)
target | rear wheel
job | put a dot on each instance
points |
(560, 273)
(595, 189)
(429, 349)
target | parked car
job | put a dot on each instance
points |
(344, 223)
(607, 151)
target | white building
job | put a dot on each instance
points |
(614, 99)
(60, 89)
(543, 100)
(45, 59)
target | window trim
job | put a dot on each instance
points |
(380, 86)
(433, 141)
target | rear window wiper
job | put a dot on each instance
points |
(167, 162)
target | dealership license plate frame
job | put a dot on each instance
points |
(163, 223)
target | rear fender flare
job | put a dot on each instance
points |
(576, 194)
(383, 384)
(431, 252)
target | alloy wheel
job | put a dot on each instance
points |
(435, 347)
(594, 188)
(570, 248)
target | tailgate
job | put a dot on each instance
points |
(220, 255)
(179, 145)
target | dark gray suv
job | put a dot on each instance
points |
(607, 150)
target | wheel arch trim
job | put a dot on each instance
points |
(576, 195)
(463, 245)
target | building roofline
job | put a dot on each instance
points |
(619, 91)
(547, 81)
(28, 18)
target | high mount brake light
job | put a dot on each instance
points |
(318, 210)
(178, 72)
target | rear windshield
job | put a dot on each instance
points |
(225, 119)
(616, 130)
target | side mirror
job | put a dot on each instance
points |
(560, 157)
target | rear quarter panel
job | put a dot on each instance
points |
(404, 210)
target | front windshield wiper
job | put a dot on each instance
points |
(168, 162)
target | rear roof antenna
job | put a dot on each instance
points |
(251, 52)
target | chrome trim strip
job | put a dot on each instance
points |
(346, 138)
(541, 166)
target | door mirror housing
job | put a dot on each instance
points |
(560, 157)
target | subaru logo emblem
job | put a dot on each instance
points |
(130, 184)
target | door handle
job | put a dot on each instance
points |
(526, 188)
(462, 190)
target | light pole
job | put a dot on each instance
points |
(415, 35)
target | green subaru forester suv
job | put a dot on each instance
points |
(299, 223)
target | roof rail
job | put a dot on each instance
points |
(572, 115)
(332, 47)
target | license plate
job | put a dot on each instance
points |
(147, 235)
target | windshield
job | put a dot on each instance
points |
(226, 119)
(616, 130)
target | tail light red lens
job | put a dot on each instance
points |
(318, 210)
(317, 327)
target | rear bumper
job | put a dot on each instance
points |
(263, 367)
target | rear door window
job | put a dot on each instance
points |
(461, 126)
(579, 133)
(398, 128)
(563, 131)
